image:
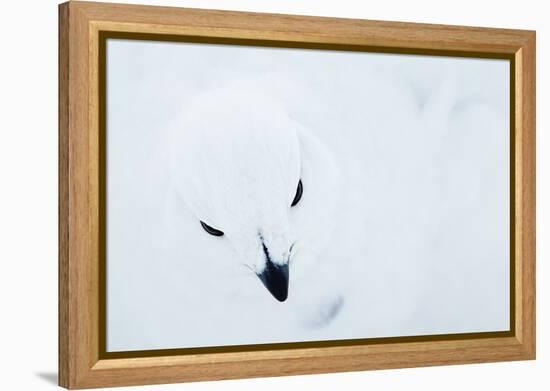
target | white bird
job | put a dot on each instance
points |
(262, 186)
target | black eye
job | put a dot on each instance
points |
(210, 230)
(298, 195)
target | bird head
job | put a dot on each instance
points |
(236, 162)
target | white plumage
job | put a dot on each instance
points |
(237, 158)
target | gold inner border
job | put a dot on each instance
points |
(102, 172)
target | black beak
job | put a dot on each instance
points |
(275, 279)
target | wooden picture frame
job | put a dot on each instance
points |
(83, 28)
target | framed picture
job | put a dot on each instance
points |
(248, 195)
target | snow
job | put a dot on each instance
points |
(403, 227)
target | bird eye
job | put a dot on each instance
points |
(210, 230)
(298, 195)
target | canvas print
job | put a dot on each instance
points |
(261, 195)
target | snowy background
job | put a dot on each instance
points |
(419, 241)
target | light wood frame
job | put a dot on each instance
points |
(82, 363)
